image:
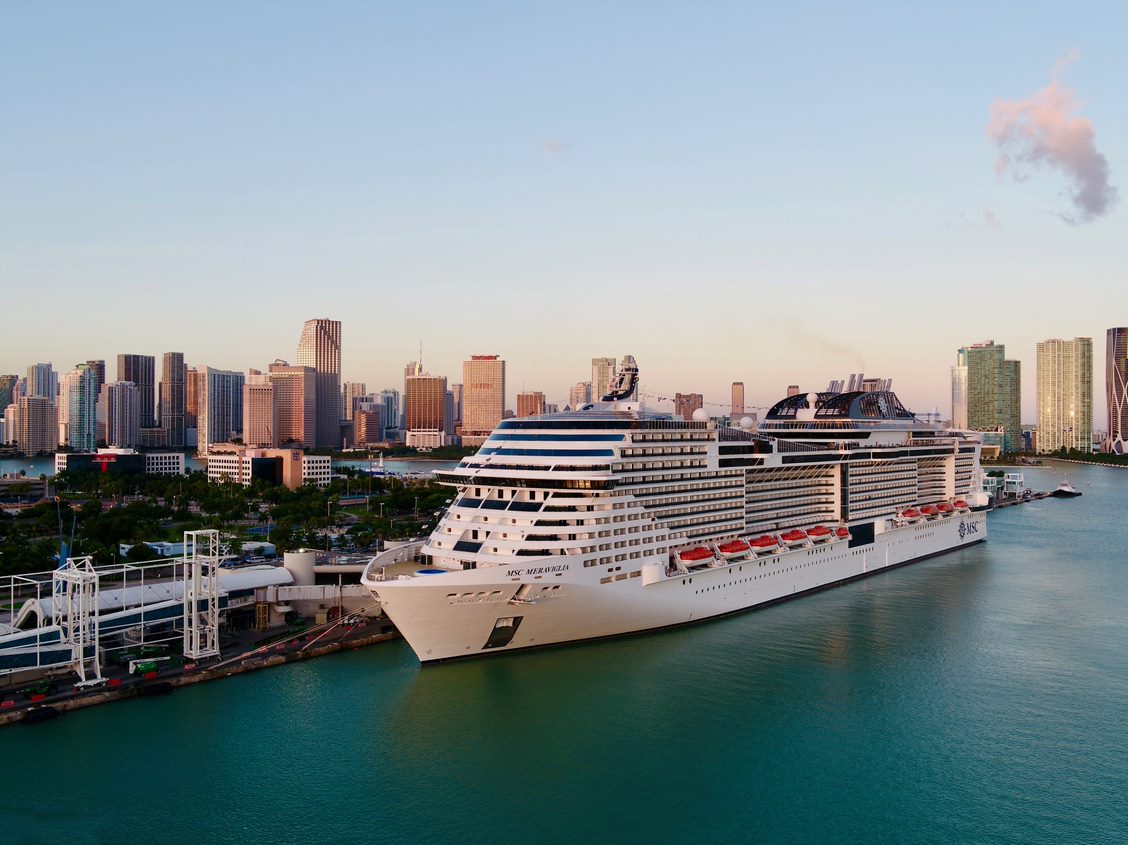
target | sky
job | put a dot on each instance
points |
(776, 194)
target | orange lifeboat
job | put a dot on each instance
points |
(694, 556)
(842, 533)
(912, 514)
(961, 505)
(820, 533)
(793, 537)
(945, 508)
(764, 544)
(736, 548)
(930, 511)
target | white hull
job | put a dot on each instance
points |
(461, 614)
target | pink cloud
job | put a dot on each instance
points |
(1045, 131)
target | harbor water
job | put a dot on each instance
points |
(977, 697)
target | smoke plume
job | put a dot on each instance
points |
(1046, 131)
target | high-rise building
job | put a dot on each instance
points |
(191, 397)
(173, 398)
(792, 390)
(320, 348)
(11, 423)
(36, 426)
(737, 399)
(120, 409)
(7, 390)
(483, 397)
(220, 408)
(530, 403)
(456, 391)
(42, 380)
(686, 403)
(79, 397)
(260, 412)
(412, 368)
(993, 392)
(1065, 394)
(1116, 390)
(392, 415)
(368, 423)
(579, 395)
(959, 397)
(424, 411)
(351, 391)
(98, 365)
(602, 377)
(295, 394)
(141, 370)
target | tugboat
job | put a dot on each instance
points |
(1065, 490)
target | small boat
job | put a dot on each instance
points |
(767, 543)
(820, 534)
(794, 537)
(842, 533)
(695, 556)
(736, 548)
(1065, 490)
(930, 511)
(912, 514)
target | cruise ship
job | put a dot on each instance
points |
(611, 520)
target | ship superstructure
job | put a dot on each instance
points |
(610, 519)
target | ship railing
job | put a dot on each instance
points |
(376, 570)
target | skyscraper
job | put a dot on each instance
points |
(737, 399)
(530, 403)
(141, 370)
(424, 411)
(368, 423)
(993, 390)
(350, 392)
(392, 415)
(1116, 390)
(99, 368)
(36, 427)
(191, 397)
(959, 396)
(173, 395)
(412, 368)
(42, 380)
(220, 408)
(79, 396)
(792, 390)
(320, 348)
(579, 395)
(7, 390)
(260, 412)
(121, 410)
(1065, 394)
(602, 377)
(483, 397)
(456, 390)
(295, 393)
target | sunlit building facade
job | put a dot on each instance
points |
(1065, 395)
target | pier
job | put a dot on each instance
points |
(82, 635)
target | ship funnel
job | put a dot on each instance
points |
(625, 388)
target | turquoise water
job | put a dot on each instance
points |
(978, 697)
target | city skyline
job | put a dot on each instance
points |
(715, 402)
(860, 216)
